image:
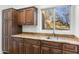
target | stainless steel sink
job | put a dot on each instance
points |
(58, 39)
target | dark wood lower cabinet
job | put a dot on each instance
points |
(15, 47)
(48, 47)
(47, 50)
(70, 49)
(36, 49)
(27, 48)
(31, 46)
(18, 46)
(31, 49)
(69, 52)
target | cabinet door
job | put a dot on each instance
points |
(9, 31)
(70, 47)
(27, 16)
(6, 29)
(31, 46)
(45, 50)
(15, 47)
(4, 32)
(21, 17)
(52, 44)
(21, 47)
(30, 16)
(27, 48)
(35, 49)
(18, 46)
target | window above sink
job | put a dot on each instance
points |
(56, 18)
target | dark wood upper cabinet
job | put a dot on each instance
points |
(27, 16)
(30, 16)
(21, 17)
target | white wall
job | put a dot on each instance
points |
(38, 28)
(77, 21)
(0, 33)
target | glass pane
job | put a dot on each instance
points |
(47, 18)
(62, 17)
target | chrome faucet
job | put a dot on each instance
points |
(54, 35)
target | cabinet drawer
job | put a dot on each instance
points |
(68, 52)
(32, 41)
(18, 39)
(55, 51)
(70, 47)
(52, 44)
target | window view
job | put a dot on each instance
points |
(62, 19)
(47, 17)
(61, 15)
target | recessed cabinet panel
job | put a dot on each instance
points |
(45, 50)
(15, 47)
(31, 46)
(70, 47)
(52, 44)
(27, 48)
(29, 16)
(21, 17)
(36, 49)
(18, 46)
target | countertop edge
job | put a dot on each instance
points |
(44, 39)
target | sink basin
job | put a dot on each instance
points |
(58, 39)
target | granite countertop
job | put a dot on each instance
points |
(69, 40)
